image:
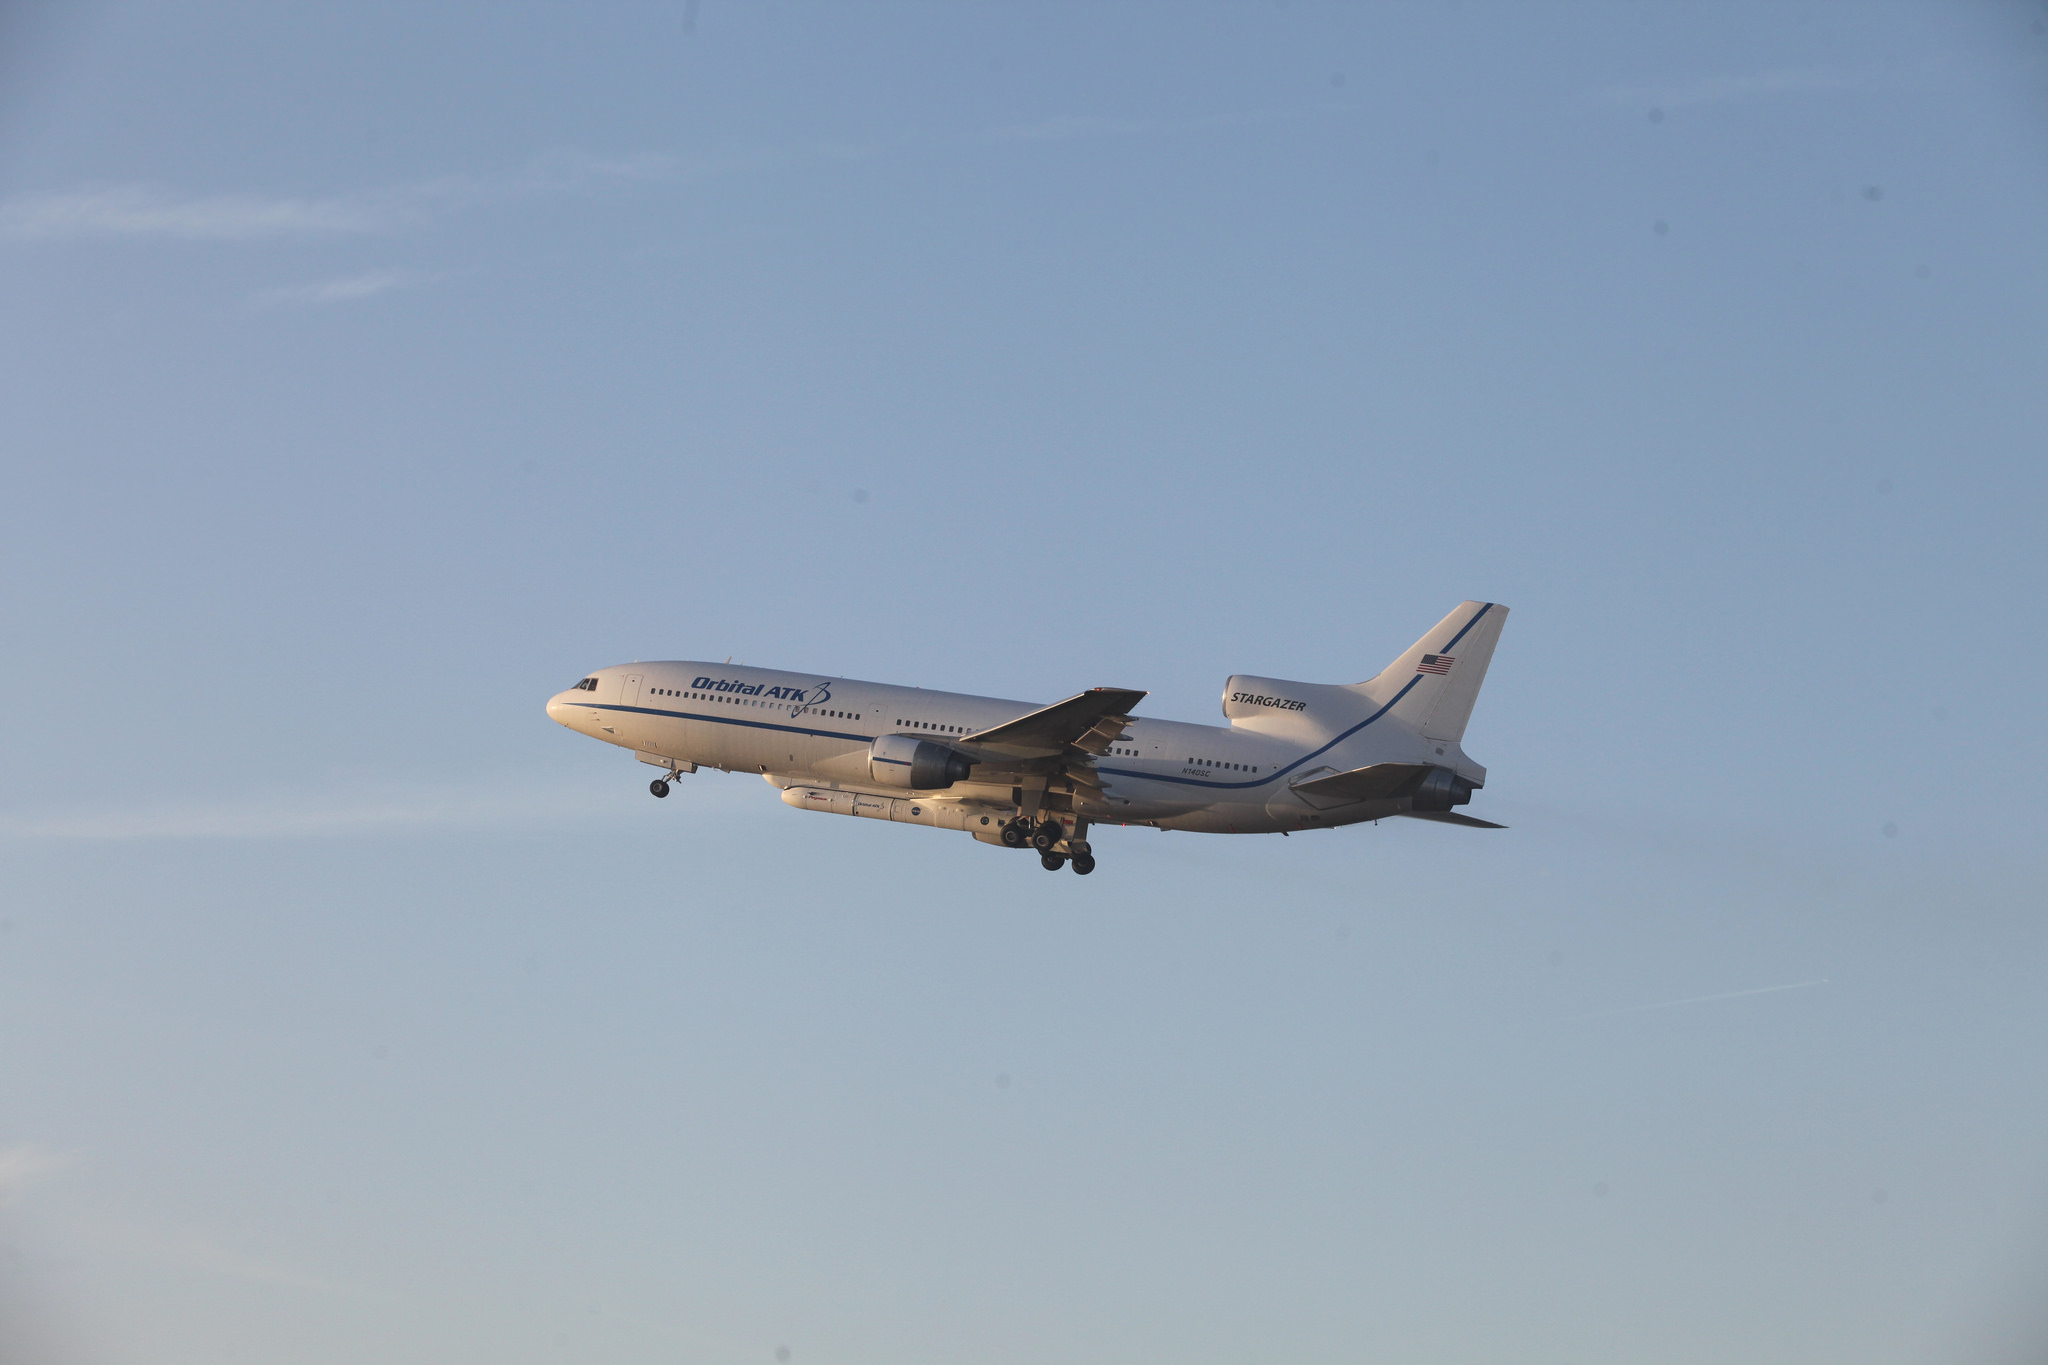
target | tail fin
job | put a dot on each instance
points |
(1433, 685)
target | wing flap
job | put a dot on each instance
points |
(1090, 721)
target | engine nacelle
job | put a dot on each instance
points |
(1441, 790)
(915, 764)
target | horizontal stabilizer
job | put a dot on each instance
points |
(1451, 817)
(1090, 721)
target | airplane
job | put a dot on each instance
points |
(1294, 756)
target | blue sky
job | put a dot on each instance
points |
(371, 375)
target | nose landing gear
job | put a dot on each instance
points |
(658, 787)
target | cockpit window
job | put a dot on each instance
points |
(587, 685)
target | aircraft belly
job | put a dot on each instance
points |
(655, 734)
(838, 761)
(1225, 818)
(714, 743)
(1130, 798)
(666, 735)
(749, 748)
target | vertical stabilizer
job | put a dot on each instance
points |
(1433, 685)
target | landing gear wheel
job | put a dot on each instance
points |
(1015, 835)
(658, 787)
(1084, 863)
(1053, 862)
(1046, 835)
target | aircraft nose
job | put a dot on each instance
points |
(559, 708)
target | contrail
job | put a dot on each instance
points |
(1703, 999)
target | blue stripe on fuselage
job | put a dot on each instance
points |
(725, 720)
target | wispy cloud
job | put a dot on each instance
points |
(197, 1250)
(24, 1163)
(134, 210)
(210, 1259)
(345, 288)
(1069, 127)
(286, 816)
(1731, 88)
(1706, 999)
(151, 211)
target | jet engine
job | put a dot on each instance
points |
(1440, 790)
(915, 764)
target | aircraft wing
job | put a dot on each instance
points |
(1379, 782)
(1090, 721)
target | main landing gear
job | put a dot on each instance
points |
(658, 787)
(1044, 837)
(1055, 849)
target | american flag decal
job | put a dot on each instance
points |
(1435, 663)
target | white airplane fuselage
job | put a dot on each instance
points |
(825, 741)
